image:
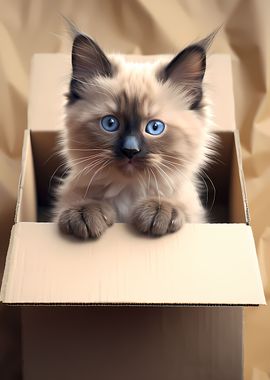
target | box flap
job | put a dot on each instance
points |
(241, 177)
(50, 80)
(26, 201)
(124, 268)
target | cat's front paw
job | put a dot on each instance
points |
(157, 218)
(86, 221)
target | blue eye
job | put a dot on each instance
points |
(155, 127)
(110, 123)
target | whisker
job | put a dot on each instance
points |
(169, 182)
(87, 150)
(88, 168)
(174, 165)
(155, 178)
(149, 179)
(140, 180)
(96, 163)
(144, 185)
(213, 159)
(101, 168)
(69, 165)
(214, 189)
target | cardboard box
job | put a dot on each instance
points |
(204, 265)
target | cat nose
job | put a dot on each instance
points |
(130, 152)
(130, 146)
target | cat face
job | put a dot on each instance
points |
(136, 118)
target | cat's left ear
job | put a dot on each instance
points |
(187, 70)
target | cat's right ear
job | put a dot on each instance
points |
(187, 69)
(88, 61)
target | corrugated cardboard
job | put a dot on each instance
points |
(123, 343)
(123, 268)
(203, 264)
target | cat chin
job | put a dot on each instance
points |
(128, 169)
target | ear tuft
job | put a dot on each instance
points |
(88, 61)
(187, 70)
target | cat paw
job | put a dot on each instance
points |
(87, 221)
(157, 219)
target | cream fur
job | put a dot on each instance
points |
(191, 144)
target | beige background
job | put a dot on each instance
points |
(148, 27)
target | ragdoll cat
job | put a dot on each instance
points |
(136, 137)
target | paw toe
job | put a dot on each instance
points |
(88, 221)
(176, 221)
(157, 219)
(72, 223)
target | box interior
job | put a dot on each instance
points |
(198, 265)
(221, 186)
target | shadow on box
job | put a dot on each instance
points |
(68, 343)
(215, 180)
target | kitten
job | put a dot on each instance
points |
(136, 136)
